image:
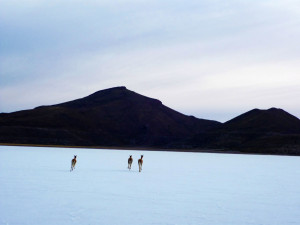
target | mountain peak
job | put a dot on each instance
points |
(118, 88)
(271, 120)
(273, 109)
(111, 117)
(112, 90)
(99, 97)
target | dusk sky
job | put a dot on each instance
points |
(209, 58)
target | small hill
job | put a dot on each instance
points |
(271, 131)
(112, 117)
(271, 120)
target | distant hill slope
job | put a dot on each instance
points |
(271, 120)
(256, 131)
(111, 117)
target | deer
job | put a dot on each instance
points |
(140, 162)
(130, 160)
(73, 163)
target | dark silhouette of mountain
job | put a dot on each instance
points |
(111, 117)
(119, 117)
(257, 131)
(271, 120)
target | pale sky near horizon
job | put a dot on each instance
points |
(209, 58)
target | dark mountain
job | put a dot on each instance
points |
(271, 120)
(257, 131)
(112, 117)
(122, 118)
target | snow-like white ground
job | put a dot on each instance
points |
(37, 188)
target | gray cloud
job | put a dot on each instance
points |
(196, 56)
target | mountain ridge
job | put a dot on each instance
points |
(115, 116)
(123, 118)
(272, 131)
